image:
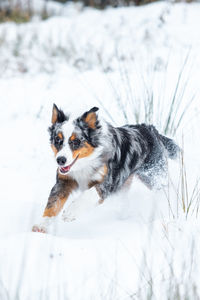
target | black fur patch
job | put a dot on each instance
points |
(62, 117)
(89, 134)
(75, 144)
(139, 150)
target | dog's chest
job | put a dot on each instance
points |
(88, 175)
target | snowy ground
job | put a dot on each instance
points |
(139, 244)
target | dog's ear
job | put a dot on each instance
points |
(90, 118)
(58, 115)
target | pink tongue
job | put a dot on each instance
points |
(65, 169)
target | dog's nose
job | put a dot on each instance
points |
(61, 160)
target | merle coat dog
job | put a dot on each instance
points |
(92, 153)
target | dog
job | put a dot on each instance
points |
(92, 153)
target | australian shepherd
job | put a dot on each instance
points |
(92, 153)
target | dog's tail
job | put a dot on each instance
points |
(172, 148)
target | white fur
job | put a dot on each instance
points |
(84, 168)
(67, 130)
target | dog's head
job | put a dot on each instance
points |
(74, 142)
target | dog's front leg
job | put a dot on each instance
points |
(57, 198)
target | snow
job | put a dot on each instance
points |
(138, 242)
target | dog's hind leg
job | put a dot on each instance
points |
(146, 180)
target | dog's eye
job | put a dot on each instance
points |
(58, 140)
(74, 144)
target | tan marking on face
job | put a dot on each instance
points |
(54, 149)
(84, 151)
(72, 137)
(54, 117)
(60, 135)
(91, 120)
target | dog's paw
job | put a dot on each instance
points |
(67, 216)
(39, 228)
(101, 200)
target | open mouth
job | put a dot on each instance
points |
(67, 168)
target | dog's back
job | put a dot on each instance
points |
(153, 138)
(139, 150)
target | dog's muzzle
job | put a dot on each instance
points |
(61, 160)
(66, 169)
